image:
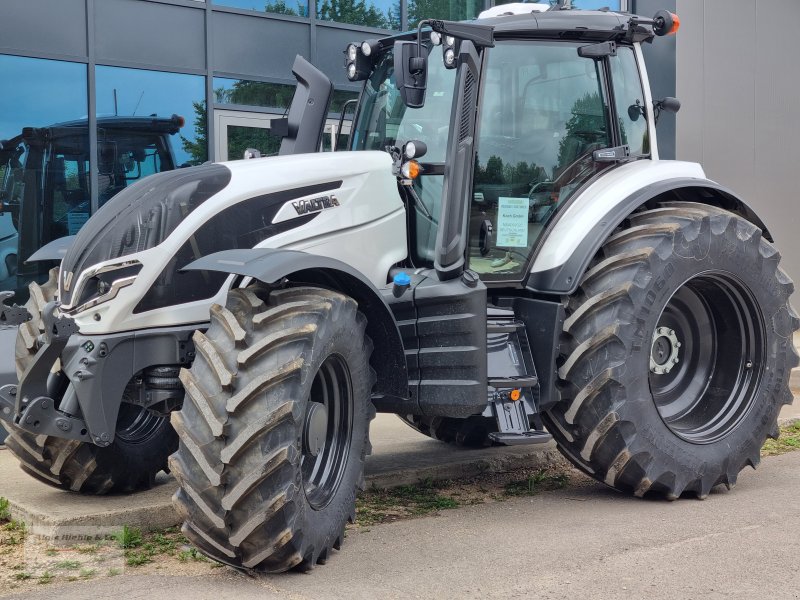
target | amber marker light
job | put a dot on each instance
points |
(676, 24)
(515, 395)
(411, 169)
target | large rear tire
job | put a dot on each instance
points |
(140, 449)
(274, 429)
(678, 353)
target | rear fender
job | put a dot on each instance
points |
(562, 275)
(270, 265)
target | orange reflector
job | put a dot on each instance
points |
(411, 169)
(515, 395)
(676, 24)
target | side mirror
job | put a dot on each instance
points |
(669, 104)
(635, 111)
(411, 72)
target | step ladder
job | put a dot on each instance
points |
(512, 398)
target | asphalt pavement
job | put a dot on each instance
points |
(583, 541)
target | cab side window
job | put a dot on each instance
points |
(629, 100)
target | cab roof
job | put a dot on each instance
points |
(598, 25)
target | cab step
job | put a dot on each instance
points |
(514, 382)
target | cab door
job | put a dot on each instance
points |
(544, 111)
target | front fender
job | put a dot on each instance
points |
(586, 224)
(271, 265)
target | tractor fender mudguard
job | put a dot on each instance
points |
(270, 265)
(563, 278)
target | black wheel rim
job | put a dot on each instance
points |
(325, 461)
(136, 424)
(707, 357)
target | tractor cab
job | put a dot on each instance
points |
(559, 99)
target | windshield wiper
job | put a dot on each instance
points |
(616, 154)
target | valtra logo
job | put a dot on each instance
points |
(304, 207)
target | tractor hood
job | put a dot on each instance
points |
(135, 247)
(140, 217)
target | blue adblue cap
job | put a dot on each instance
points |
(402, 279)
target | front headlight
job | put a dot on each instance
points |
(100, 284)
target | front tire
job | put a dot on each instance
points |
(679, 351)
(274, 428)
(142, 444)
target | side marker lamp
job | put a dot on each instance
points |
(411, 169)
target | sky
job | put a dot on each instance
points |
(38, 92)
(148, 92)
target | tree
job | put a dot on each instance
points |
(256, 93)
(455, 10)
(354, 11)
(280, 7)
(197, 149)
(586, 126)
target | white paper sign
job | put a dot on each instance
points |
(512, 222)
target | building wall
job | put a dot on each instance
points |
(738, 81)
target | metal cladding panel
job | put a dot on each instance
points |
(148, 33)
(258, 46)
(777, 130)
(690, 84)
(730, 69)
(331, 43)
(737, 81)
(44, 26)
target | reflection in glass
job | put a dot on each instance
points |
(384, 14)
(131, 148)
(454, 10)
(339, 98)
(297, 8)
(582, 4)
(136, 92)
(43, 161)
(241, 137)
(252, 93)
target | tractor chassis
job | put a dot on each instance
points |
(98, 371)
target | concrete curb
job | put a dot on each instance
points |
(67, 518)
(471, 465)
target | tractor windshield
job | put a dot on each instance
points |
(384, 121)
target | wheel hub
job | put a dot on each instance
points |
(316, 428)
(664, 353)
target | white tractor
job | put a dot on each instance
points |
(500, 258)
